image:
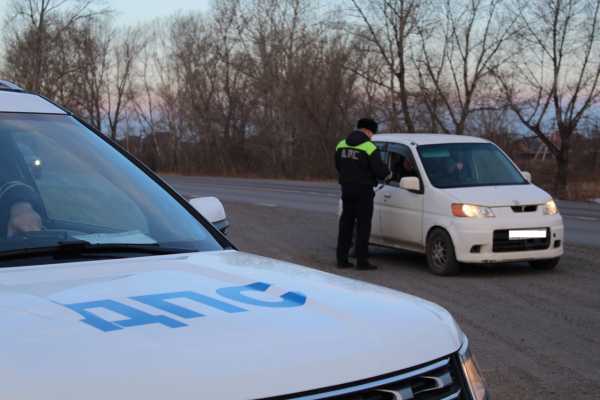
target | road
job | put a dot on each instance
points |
(534, 333)
(582, 220)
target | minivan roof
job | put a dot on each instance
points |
(15, 100)
(426, 138)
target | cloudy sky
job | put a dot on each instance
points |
(134, 11)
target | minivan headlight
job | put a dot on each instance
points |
(471, 371)
(471, 211)
(550, 208)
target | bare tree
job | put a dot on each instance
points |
(33, 31)
(91, 41)
(389, 26)
(126, 52)
(554, 82)
(268, 87)
(459, 47)
(147, 104)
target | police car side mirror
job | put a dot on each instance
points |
(527, 176)
(410, 183)
(212, 209)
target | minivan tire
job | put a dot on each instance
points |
(441, 257)
(545, 265)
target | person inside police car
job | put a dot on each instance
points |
(360, 168)
(19, 210)
(20, 204)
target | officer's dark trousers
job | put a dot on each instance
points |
(357, 207)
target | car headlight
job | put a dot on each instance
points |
(471, 211)
(472, 374)
(550, 208)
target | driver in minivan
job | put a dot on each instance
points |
(458, 171)
(402, 167)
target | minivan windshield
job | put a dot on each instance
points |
(64, 187)
(452, 165)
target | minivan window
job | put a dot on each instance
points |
(452, 165)
(401, 162)
(382, 147)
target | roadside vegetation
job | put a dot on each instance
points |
(268, 87)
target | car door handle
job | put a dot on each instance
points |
(387, 195)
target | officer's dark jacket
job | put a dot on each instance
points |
(358, 161)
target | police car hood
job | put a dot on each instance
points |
(224, 325)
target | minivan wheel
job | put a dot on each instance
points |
(441, 258)
(547, 264)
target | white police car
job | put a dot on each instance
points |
(113, 286)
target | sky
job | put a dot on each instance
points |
(136, 11)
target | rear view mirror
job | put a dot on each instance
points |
(36, 167)
(410, 183)
(34, 162)
(527, 175)
(212, 209)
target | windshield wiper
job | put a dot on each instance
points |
(83, 249)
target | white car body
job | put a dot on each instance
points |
(219, 324)
(404, 219)
(345, 331)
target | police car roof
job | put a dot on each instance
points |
(15, 100)
(426, 138)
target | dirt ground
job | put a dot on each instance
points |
(536, 334)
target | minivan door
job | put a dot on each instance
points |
(401, 211)
(378, 202)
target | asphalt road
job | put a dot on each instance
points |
(535, 333)
(582, 220)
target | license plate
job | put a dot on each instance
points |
(521, 234)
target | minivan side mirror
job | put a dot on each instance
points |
(212, 209)
(410, 183)
(527, 175)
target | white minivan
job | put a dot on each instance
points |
(460, 199)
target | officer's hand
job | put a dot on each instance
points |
(389, 177)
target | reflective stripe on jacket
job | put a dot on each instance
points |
(358, 161)
(367, 147)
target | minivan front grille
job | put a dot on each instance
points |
(439, 380)
(502, 243)
(521, 209)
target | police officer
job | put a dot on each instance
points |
(359, 167)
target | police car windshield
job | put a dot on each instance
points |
(77, 187)
(453, 165)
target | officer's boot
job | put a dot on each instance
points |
(365, 265)
(344, 264)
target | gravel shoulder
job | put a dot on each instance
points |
(535, 334)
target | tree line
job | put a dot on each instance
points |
(268, 87)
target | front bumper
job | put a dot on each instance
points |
(474, 239)
(441, 379)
